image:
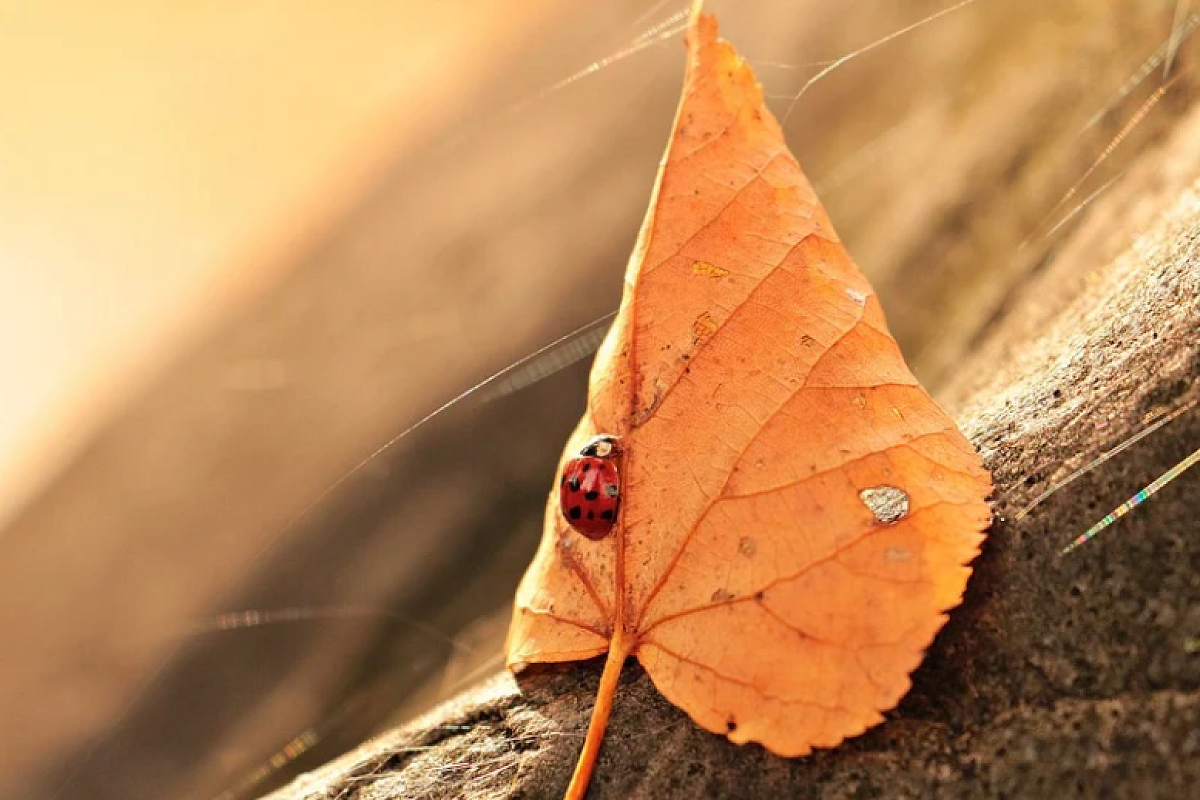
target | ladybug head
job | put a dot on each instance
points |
(602, 446)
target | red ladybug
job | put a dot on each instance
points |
(590, 491)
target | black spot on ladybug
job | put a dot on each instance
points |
(575, 512)
(591, 515)
(606, 514)
(586, 466)
(592, 495)
(730, 725)
(574, 484)
(611, 490)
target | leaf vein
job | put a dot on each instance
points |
(798, 574)
(713, 501)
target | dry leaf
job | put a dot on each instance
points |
(796, 513)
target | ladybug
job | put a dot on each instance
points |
(590, 491)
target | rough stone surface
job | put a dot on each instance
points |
(1074, 676)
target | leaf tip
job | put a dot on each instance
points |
(702, 28)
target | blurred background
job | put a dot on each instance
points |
(243, 245)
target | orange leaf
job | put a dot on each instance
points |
(796, 513)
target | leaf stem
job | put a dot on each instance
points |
(618, 651)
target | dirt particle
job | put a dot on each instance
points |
(888, 503)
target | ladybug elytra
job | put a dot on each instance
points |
(590, 490)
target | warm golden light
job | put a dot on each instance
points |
(158, 160)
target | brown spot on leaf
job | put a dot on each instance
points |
(703, 328)
(708, 269)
